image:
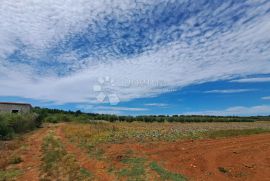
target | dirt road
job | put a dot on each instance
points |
(97, 167)
(31, 155)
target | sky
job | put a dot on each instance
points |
(137, 57)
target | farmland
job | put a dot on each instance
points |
(103, 150)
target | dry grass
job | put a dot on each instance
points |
(104, 132)
(10, 154)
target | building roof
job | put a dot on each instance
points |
(16, 103)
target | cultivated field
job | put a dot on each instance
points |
(139, 151)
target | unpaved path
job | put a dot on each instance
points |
(98, 168)
(238, 158)
(31, 155)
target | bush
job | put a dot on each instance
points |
(56, 118)
(17, 123)
(6, 132)
(51, 119)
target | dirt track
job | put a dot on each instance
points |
(32, 156)
(241, 158)
(94, 166)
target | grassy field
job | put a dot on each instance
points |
(104, 132)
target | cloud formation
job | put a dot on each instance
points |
(110, 109)
(252, 80)
(156, 104)
(228, 91)
(57, 50)
(236, 111)
(266, 98)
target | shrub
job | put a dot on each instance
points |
(57, 118)
(16, 123)
(22, 122)
(6, 132)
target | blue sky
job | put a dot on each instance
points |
(137, 56)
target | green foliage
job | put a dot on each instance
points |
(56, 115)
(6, 132)
(85, 172)
(57, 118)
(231, 133)
(54, 151)
(16, 123)
(135, 168)
(165, 174)
(9, 174)
(15, 159)
(58, 164)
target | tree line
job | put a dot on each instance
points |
(56, 115)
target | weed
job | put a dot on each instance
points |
(97, 153)
(135, 168)
(58, 164)
(165, 174)
(86, 173)
(230, 133)
(223, 170)
(9, 174)
(15, 159)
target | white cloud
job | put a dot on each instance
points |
(266, 98)
(111, 108)
(236, 111)
(228, 91)
(252, 80)
(41, 25)
(156, 104)
(108, 109)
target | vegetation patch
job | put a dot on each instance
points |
(11, 124)
(223, 170)
(58, 164)
(15, 159)
(231, 133)
(134, 168)
(90, 135)
(10, 174)
(165, 174)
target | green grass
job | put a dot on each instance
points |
(135, 168)
(232, 133)
(9, 174)
(58, 164)
(85, 172)
(165, 174)
(15, 159)
(97, 153)
(53, 151)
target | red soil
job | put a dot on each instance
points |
(31, 156)
(238, 158)
(243, 158)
